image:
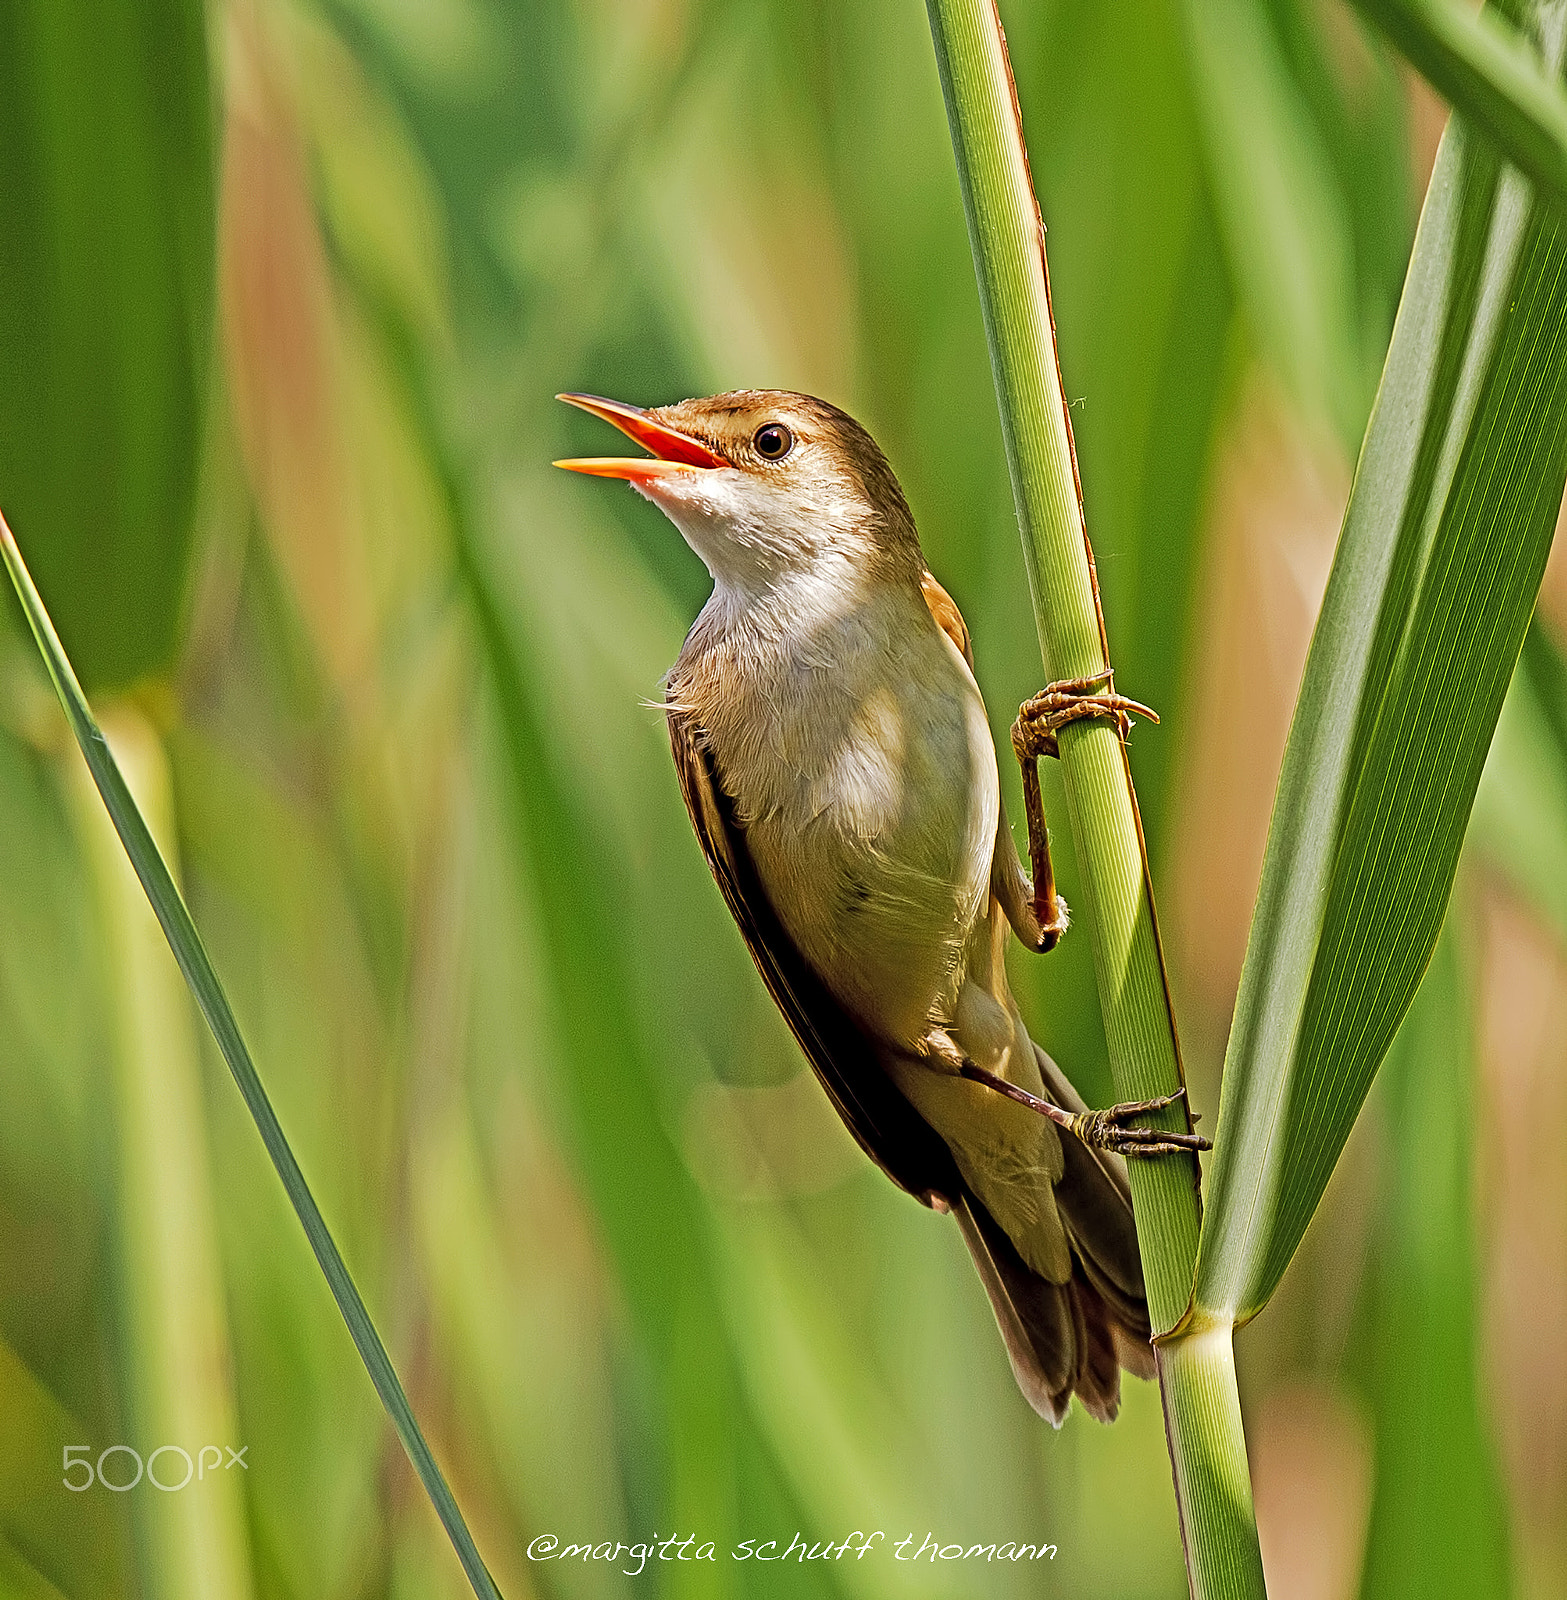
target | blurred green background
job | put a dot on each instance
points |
(286, 289)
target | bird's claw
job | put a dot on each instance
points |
(1108, 1130)
(1040, 719)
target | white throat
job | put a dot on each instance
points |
(761, 540)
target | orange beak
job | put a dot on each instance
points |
(673, 451)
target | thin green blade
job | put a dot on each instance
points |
(1435, 578)
(189, 952)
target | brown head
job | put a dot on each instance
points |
(766, 485)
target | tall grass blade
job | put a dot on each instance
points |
(190, 953)
(1435, 578)
(1490, 74)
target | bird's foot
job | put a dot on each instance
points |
(1034, 733)
(1040, 719)
(1101, 1130)
(1108, 1130)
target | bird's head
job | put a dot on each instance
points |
(767, 486)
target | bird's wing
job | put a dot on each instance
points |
(948, 618)
(885, 1125)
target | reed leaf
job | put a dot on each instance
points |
(186, 944)
(1438, 566)
(1488, 71)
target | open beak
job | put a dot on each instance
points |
(673, 451)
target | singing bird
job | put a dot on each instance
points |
(837, 763)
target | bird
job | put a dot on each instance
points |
(836, 759)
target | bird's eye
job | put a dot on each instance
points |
(773, 441)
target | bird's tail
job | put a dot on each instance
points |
(1074, 1336)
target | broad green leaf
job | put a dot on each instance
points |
(188, 950)
(1436, 574)
(1436, 1465)
(106, 250)
(1490, 74)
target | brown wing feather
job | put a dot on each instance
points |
(885, 1125)
(948, 618)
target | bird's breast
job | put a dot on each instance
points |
(863, 772)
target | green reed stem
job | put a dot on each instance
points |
(1202, 1413)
